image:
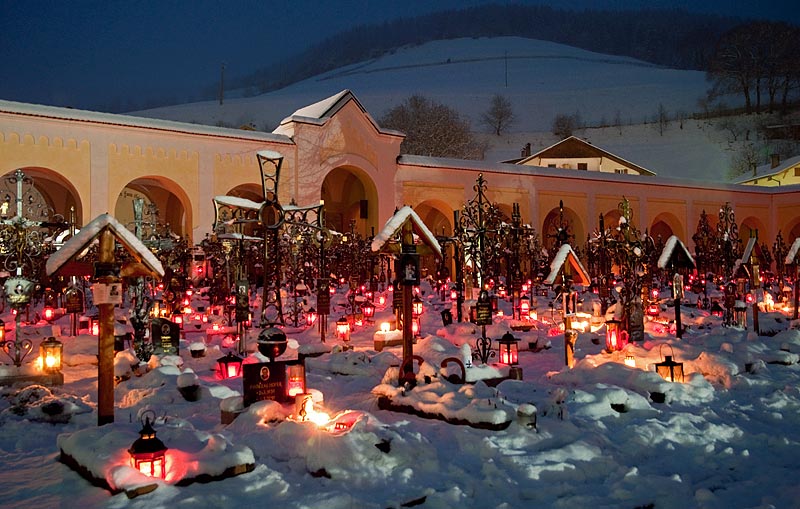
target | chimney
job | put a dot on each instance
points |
(774, 160)
(526, 150)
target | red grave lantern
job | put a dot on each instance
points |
(229, 366)
(616, 339)
(148, 453)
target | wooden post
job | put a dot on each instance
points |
(105, 348)
(408, 334)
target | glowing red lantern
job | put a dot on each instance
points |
(381, 300)
(48, 313)
(368, 308)
(148, 453)
(524, 306)
(311, 316)
(453, 294)
(616, 339)
(95, 329)
(295, 380)
(653, 310)
(509, 349)
(229, 366)
(178, 319)
(416, 306)
(343, 329)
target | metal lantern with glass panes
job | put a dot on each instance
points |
(229, 366)
(670, 370)
(148, 452)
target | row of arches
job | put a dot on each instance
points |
(350, 198)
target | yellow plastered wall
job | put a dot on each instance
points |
(176, 171)
(71, 159)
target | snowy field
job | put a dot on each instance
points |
(729, 437)
(544, 79)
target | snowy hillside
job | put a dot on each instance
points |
(541, 79)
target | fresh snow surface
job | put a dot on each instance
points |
(545, 79)
(590, 436)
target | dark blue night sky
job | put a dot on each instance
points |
(89, 53)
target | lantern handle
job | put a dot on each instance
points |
(148, 415)
(671, 351)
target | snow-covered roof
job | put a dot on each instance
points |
(576, 147)
(94, 117)
(76, 244)
(319, 111)
(767, 170)
(567, 255)
(235, 201)
(396, 222)
(673, 247)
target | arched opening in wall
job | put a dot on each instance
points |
(793, 229)
(752, 226)
(555, 224)
(438, 217)
(664, 226)
(47, 196)
(350, 198)
(611, 219)
(155, 207)
(252, 192)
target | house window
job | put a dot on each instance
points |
(622, 171)
(583, 166)
(797, 172)
(566, 165)
(551, 165)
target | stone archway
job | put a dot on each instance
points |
(575, 228)
(350, 197)
(165, 203)
(754, 224)
(665, 225)
(51, 195)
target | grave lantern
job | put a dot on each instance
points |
(343, 329)
(148, 453)
(311, 316)
(616, 339)
(2, 331)
(740, 314)
(524, 307)
(48, 313)
(368, 308)
(453, 294)
(50, 354)
(178, 319)
(630, 360)
(653, 310)
(416, 306)
(295, 380)
(670, 370)
(229, 366)
(508, 346)
(716, 310)
(381, 300)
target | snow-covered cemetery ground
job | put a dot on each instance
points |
(609, 432)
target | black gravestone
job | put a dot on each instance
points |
(166, 336)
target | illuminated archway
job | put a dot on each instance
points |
(52, 195)
(438, 217)
(350, 198)
(165, 203)
(575, 228)
(665, 225)
(754, 224)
